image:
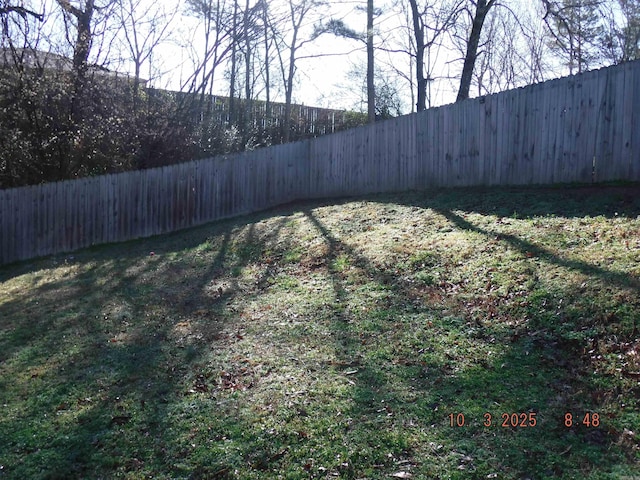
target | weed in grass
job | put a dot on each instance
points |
(293, 256)
(341, 263)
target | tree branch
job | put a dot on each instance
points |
(23, 12)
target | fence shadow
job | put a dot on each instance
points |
(568, 201)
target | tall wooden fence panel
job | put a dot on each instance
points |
(584, 128)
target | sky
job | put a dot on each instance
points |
(325, 81)
(318, 80)
(329, 81)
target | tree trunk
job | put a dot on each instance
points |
(371, 94)
(289, 92)
(83, 40)
(267, 109)
(246, 124)
(136, 85)
(419, 34)
(286, 134)
(232, 79)
(482, 8)
(207, 35)
(81, 51)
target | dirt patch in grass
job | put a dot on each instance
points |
(464, 333)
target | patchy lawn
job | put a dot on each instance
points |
(346, 340)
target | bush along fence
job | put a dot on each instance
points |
(583, 128)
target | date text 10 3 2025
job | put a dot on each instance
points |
(524, 420)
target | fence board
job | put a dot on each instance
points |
(5, 232)
(454, 139)
(532, 153)
(482, 141)
(546, 164)
(565, 162)
(549, 125)
(599, 109)
(626, 114)
(585, 137)
(521, 160)
(496, 144)
(504, 136)
(493, 137)
(607, 126)
(533, 127)
(19, 220)
(438, 141)
(7, 227)
(635, 122)
(505, 118)
(617, 123)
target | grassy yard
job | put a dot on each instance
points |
(337, 340)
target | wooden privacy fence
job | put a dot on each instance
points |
(584, 128)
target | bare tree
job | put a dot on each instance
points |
(512, 49)
(234, 63)
(630, 30)
(371, 93)
(20, 123)
(219, 30)
(83, 14)
(511, 52)
(535, 37)
(144, 29)
(430, 22)
(268, 41)
(68, 117)
(19, 10)
(478, 16)
(388, 101)
(418, 32)
(252, 32)
(288, 43)
(81, 18)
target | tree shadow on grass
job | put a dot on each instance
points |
(530, 249)
(118, 355)
(527, 377)
(96, 363)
